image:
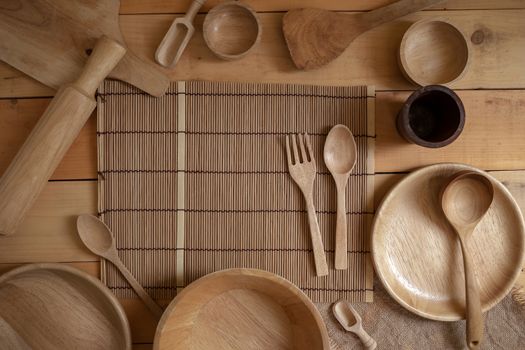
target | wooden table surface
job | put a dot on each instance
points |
(492, 91)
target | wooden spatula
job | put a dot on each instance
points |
(50, 41)
(316, 37)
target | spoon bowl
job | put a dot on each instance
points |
(95, 235)
(340, 150)
(466, 199)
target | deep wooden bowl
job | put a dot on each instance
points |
(51, 306)
(231, 30)
(241, 309)
(433, 52)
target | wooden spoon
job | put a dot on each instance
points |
(340, 156)
(98, 238)
(315, 37)
(351, 321)
(465, 200)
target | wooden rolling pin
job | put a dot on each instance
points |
(52, 136)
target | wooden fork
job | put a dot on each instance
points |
(303, 172)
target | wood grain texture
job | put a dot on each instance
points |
(67, 309)
(168, 6)
(410, 230)
(370, 59)
(50, 41)
(48, 233)
(265, 310)
(491, 139)
(17, 119)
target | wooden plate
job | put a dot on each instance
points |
(418, 258)
(50, 306)
(241, 309)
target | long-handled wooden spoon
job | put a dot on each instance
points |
(351, 322)
(315, 37)
(98, 238)
(465, 200)
(340, 155)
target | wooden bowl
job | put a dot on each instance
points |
(433, 52)
(241, 309)
(417, 255)
(51, 306)
(231, 30)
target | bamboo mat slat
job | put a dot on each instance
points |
(197, 181)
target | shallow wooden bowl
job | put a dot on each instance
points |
(50, 306)
(433, 52)
(231, 30)
(241, 309)
(417, 255)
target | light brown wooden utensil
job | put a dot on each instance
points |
(50, 139)
(465, 200)
(178, 36)
(303, 171)
(53, 306)
(241, 309)
(351, 322)
(316, 37)
(340, 156)
(98, 238)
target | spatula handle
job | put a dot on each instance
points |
(55, 131)
(395, 10)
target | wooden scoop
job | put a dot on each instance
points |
(340, 155)
(465, 200)
(98, 238)
(316, 37)
(178, 36)
(351, 322)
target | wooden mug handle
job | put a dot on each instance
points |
(51, 137)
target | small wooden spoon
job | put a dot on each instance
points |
(98, 238)
(465, 200)
(340, 155)
(351, 321)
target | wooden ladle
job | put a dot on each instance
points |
(351, 322)
(465, 200)
(315, 37)
(340, 155)
(98, 238)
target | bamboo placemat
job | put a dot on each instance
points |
(197, 181)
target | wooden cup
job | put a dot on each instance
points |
(432, 116)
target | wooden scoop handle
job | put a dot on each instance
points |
(55, 131)
(395, 10)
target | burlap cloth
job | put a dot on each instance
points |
(393, 327)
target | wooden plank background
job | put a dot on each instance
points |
(492, 91)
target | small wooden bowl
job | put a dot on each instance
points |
(433, 52)
(231, 30)
(241, 309)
